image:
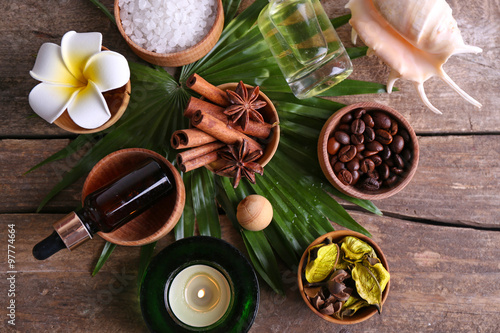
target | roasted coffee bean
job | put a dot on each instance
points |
(397, 171)
(355, 177)
(381, 120)
(391, 181)
(347, 153)
(370, 150)
(373, 174)
(368, 120)
(347, 118)
(374, 145)
(398, 161)
(342, 137)
(332, 146)
(338, 166)
(367, 165)
(369, 134)
(370, 184)
(383, 136)
(334, 159)
(368, 153)
(358, 113)
(358, 126)
(406, 155)
(377, 160)
(397, 144)
(383, 171)
(353, 164)
(345, 177)
(394, 127)
(404, 133)
(357, 139)
(386, 153)
(345, 128)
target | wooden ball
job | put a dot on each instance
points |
(254, 213)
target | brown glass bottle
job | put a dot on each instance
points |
(109, 207)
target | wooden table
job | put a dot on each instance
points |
(441, 234)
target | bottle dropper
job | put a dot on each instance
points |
(108, 208)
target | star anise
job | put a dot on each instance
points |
(240, 161)
(244, 105)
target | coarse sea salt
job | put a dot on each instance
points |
(167, 26)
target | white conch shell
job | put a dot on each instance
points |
(413, 37)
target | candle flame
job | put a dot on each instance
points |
(201, 293)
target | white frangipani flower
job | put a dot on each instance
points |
(74, 76)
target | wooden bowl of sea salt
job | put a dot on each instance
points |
(170, 33)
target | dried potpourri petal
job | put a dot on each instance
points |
(311, 292)
(355, 249)
(244, 105)
(337, 287)
(367, 285)
(380, 273)
(351, 306)
(240, 161)
(320, 268)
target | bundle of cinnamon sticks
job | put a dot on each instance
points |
(212, 130)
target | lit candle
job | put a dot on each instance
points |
(199, 295)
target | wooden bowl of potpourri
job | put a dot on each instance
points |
(343, 277)
(172, 33)
(368, 151)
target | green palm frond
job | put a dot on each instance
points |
(155, 112)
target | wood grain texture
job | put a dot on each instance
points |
(457, 182)
(24, 192)
(435, 287)
(440, 234)
(477, 74)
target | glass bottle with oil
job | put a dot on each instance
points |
(305, 45)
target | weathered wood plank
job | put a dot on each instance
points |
(477, 74)
(444, 279)
(28, 24)
(24, 192)
(456, 181)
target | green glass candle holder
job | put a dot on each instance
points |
(171, 264)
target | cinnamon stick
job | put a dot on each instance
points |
(199, 162)
(259, 130)
(220, 130)
(197, 152)
(189, 138)
(196, 104)
(207, 90)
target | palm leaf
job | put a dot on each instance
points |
(155, 112)
(186, 225)
(258, 247)
(144, 260)
(204, 206)
(106, 252)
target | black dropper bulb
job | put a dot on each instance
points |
(48, 246)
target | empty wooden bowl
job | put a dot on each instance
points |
(363, 313)
(354, 190)
(180, 58)
(155, 222)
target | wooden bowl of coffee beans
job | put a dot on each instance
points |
(368, 151)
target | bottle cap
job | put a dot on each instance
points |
(72, 231)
